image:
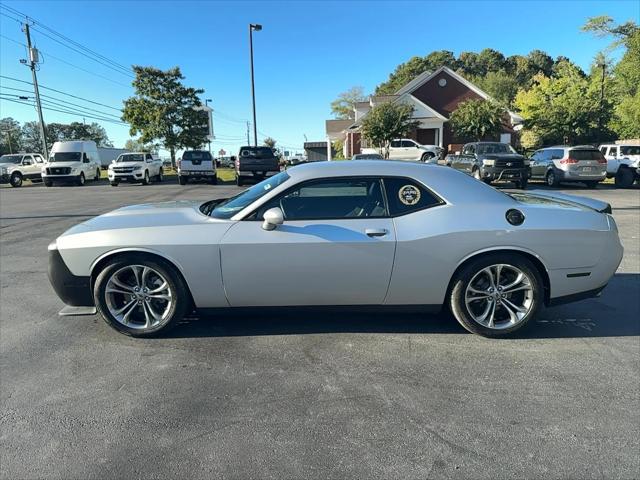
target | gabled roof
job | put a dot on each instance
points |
(397, 99)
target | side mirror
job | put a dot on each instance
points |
(272, 218)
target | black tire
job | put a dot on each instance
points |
(160, 176)
(238, 181)
(427, 156)
(146, 179)
(16, 179)
(80, 180)
(114, 184)
(624, 178)
(97, 177)
(462, 278)
(213, 180)
(178, 288)
(591, 184)
(522, 184)
(551, 179)
(182, 180)
(47, 183)
(475, 173)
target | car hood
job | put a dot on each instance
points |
(146, 215)
(562, 199)
(501, 156)
(126, 164)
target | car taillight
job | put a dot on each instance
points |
(237, 163)
(602, 160)
(568, 160)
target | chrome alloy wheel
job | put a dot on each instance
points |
(499, 296)
(139, 297)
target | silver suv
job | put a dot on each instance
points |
(15, 168)
(582, 163)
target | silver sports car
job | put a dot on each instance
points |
(344, 234)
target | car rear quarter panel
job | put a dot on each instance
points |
(193, 249)
(434, 242)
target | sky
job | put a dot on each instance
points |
(307, 53)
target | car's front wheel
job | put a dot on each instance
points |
(496, 295)
(80, 180)
(624, 178)
(16, 179)
(47, 182)
(140, 296)
(182, 180)
(146, 180)
(427, 156)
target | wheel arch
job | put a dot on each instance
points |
(529, 255)
(99, 264)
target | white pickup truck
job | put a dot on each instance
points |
(407, 149)
(623, 163)
(138, 167)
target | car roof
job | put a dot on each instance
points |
(452, 185)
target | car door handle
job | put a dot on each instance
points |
(376, 232)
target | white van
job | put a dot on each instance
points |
(73, 161)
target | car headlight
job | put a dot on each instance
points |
(488, 163)
(137, 169)
(3, 170)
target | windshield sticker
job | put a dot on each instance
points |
(409, 195)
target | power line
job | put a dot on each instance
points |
(77, 47)
(63, 93)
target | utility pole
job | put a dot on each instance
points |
(257, 28)
(33, 61)
(248, 140)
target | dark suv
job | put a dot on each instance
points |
(255, 163)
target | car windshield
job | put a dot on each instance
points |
(65, 157)
(256, 152)
(233, 205)
(483, 149)
(131, 157)
(630, 150)
(11, 159)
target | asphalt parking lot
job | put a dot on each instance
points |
(290, 395)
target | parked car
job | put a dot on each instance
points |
(197, 165)
(491, 162)
(341, 233)
(14, 168)
(623, 163)
(407, 149)
(584, 164)
(255, 163)
(72, 161)
(367, 156)
(109, 154)
(139, 167)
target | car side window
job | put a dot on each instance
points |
(536, 156)
(396, 143)
(406, 196)
(149, 158)
(408, 144)
(469, 150)
(85, 158)
(331, 198)
(27, 160)
(38, 159)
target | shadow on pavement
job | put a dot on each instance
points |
(615, 313)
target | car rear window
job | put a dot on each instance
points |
(196, 156)
(405, 196)
(262, 152)
(585, 154)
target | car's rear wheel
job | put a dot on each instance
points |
(114, 184)
(97, 177)
(140, 296)
(182, 180)
(160, 176)
(551, 179)
(47, 182)
(238, 181)
(213, 180)
(624, 178)
(16, 179)
(497, 294)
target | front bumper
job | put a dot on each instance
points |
(499, 173)
(71, 289)
(4, 178)
(126, 177)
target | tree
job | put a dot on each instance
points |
(490, 60)
(500, 85)
(405, 72)
(343, 106)
(387, 121)
(338, 147)
(477, 119)
(564, 108)
(269, 142)
(163, 109)
(137, 145)
(10, 136)
(31, 137)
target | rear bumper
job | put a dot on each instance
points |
(256, 173)
(71, 289)
(196, 174)
(568, 176)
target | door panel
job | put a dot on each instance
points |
(308, 262)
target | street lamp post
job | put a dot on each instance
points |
(206, 104)
(257, 27)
